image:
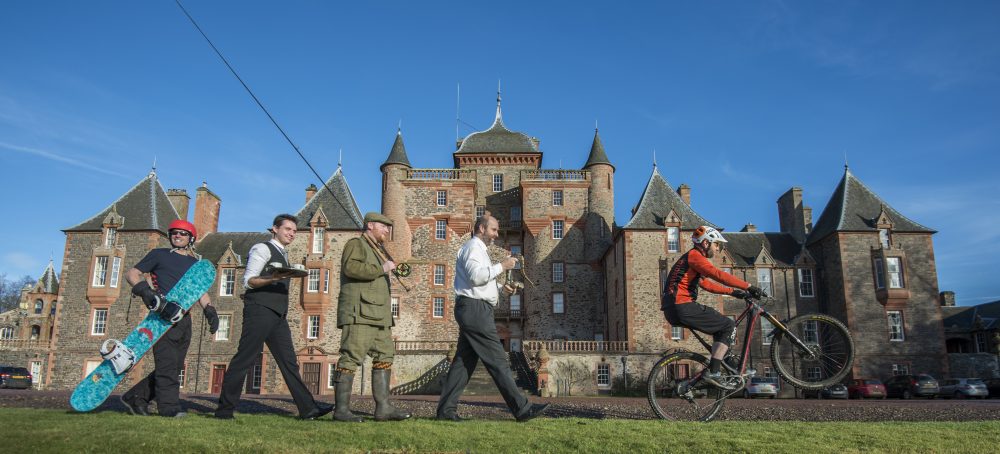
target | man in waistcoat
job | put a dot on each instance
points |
(264, 311)
(364, 315)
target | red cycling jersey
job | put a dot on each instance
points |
(686, 276)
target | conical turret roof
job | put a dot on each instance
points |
(397, 155)
(597, 154)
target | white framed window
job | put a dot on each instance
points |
(879, 274)
(394, 306)
(883, 237)
(313, 283)
(673, 239)
(604, 375)
(806, 283)
(438, 274)
(766, 331)
(331, 372)
(558, 303)
(515, 302)
(6, 333)
(256, 375)
(442, 198)
(896, 329)
(497, 182)
(438, 306)
(764, 280)
(557, 230)
(515, 213)
(326, 281)
(480, 211)
(981, 345)
(676, 332)
(100, 271)
(900, 369)
(225, 322)
(895, 268)
(440, 229)
(228, 284)
(557, 197)
(517, 249)
(109, 236)
(319, 234)
(558, 272)
(99, 327)
(312, 329)
(116, 271)
(813, 373)
(181, 377)
(768, 372)
(810, 334)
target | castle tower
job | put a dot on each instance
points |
(600, 200)
(394, 199)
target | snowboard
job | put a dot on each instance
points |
(98, 385)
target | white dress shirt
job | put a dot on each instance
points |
(475, 276)
(258, 258)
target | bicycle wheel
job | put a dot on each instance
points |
(826, 358)
(668, 379)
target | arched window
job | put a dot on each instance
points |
(35, 332)
(6, 333)
(38, 306)
(52, 309)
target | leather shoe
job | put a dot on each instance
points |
(318, 412)
(452, 417)
(133, 407)
(533, 412)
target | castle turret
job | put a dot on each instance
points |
(394, 199)
(601, 200)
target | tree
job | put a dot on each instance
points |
(10, 291)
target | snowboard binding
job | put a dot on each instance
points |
(121, 357)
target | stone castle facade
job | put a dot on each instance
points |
(592, 284)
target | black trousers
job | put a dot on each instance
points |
(163, 385)
(262, 325)
(478, 340)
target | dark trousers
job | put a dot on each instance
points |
(163, 385)
(262, 325)
(478, 340)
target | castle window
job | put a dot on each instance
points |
(313, 283)
(981, 345)
(806, 282)
(100, 271)
(557, 197)
(515, 303)
(228, 283)
(116, 269)
(810, 333)
(879, 274)
(676, 332)
(438, 274)
(52, 308)
(317, 244)
(35, 332)
(896, 329)
(604, 375)
(557, 230)
(558, 274)
(440, 229)
(326, 281)
(766, 329)
(109, 236)
(438, 307)
(394, 306)
(558, 303)
(497, 182)
(224, 323)
(7, 333)
(764, 280)
(38, 306)
(99, 325)
(442, 198)
(900, 369)
(895, 268)
(515, 213)
(517, 250)
(883, 237)
(673, 239)
(313, 327)
(480, 211)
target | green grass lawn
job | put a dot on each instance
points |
(28, 430)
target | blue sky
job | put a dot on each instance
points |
(740, 100)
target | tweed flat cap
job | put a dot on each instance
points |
(372, 216)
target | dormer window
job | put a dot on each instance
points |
(673, 239)
(109, 236)
(883, 238)
(317, 240)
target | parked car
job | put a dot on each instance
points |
(908, 386)
(862, 388)
(834, 391)
(960, 388)
(761, 387)
(993, 386)
(14, 377)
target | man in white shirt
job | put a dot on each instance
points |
(476, 295)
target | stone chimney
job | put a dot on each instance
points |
(749, 227)
(180, 200)
(310, 192)
(792, 214)
(685, 192)
(807, 214)
(947, 298)
(206, 211)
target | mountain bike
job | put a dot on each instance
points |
(810, 351)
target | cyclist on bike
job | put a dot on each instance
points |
(680, 295)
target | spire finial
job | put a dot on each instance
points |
(399, 128)
(152, 171)
(595, 125)
(340, 160)
(845, 161)
(499, 115)
(654, 158)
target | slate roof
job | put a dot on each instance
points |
(854, 207)
(144, 207)
(397, 155)
(964, 317)
(340, 207)
(214, 245)
(656, 202)
(744, 247)
(597, 155)
(49, 282)
(497, 139)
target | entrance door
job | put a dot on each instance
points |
(218, 373)
(36, 372)
(310, 375)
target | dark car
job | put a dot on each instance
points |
(909, 386)
(993, 386)
(14, 377)
(834, 391)
(863, 388)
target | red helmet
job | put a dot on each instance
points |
(181, 224)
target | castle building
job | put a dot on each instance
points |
(26, 332)
(589, 315)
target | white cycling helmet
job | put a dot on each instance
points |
(707, 233)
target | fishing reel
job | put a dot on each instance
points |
(403, 269)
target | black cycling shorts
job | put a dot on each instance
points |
(702, 318)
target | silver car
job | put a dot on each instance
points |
(961, 388)
(761, 387)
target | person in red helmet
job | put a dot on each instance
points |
(165, 267)
(680, 295)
